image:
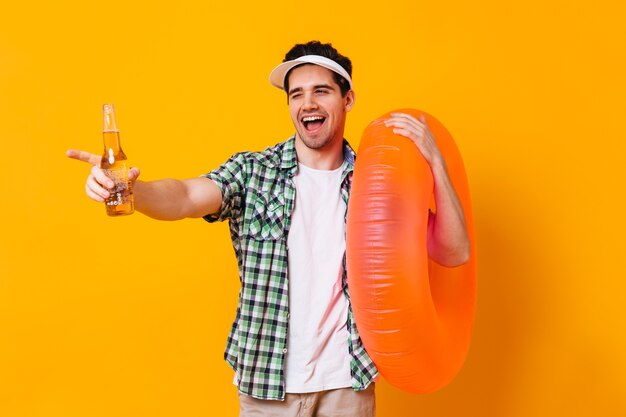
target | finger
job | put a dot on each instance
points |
(424, 149)
(84, 156)
(102, 178)
(408, 117)
(423, 119)
(405, 124)
(95, 189)
(400, 117)
(133, 173)
(421, 129)
(406, 133)
(94, 196)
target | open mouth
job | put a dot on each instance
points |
(313, 123)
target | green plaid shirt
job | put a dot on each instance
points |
(258, 198)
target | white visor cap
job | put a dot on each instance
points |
(277, 76)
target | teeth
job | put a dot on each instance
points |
(312, 118)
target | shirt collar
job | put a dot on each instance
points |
(289, 159)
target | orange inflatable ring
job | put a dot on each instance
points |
(415, 317)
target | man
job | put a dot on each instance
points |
(294, 338)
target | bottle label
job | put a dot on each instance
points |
(121, 192)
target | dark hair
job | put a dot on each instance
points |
(325, 50)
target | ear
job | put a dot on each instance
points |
(349, 100)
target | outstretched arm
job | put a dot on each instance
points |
(166, 199)
(448, 241)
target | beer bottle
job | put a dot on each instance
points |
(115, 166)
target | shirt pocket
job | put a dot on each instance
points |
(267, 217)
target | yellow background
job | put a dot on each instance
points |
(128, 316)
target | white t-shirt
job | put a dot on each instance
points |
(317, 350)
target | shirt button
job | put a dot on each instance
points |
(285, 350)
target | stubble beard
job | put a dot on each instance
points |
(317, 142)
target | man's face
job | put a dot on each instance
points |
(318, 110)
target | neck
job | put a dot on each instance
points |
(111, 141)
(328, 158)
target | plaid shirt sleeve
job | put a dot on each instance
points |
(230, 177)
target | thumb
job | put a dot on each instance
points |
(133, 173)
(423, 119)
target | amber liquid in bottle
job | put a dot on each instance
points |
(115, 165)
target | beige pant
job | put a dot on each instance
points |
(343, 402)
